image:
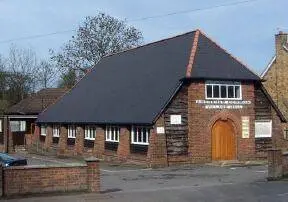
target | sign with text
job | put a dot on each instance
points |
(263, 129)
(223, 104)
(175, 119)
(245, 127)
(160, 130)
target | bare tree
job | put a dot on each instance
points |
(96, 37)
(22, 67)
(47, 74)
(67, 79)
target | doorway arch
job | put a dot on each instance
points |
(223, 140)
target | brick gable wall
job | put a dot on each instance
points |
(201, 121)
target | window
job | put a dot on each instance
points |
(90, 133)
(56, 131)
(43, 129)
(112, 133)
(71, 131)
(286, 133)
(140, 135)
(223, 90)
(18, 126)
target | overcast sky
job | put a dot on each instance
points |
(245, 30)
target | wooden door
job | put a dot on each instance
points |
(223, 141)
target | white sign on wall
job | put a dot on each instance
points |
(245, 127)
(175, 119)
(223, 104)
(263, 129)
(160, 130)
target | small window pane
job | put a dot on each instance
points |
(216, 93)
(230, 91)
(209, 91)
(140, 133)
(237, 91)
(144, 135)
(135, 136)
(117, 134)
(223, 92)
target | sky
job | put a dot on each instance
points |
(245, 30)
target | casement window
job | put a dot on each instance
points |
(71, 131)
(223, 90)
(43, 130)
(140, 135)
(112, 133)
(18, 126)
(90, 132)
(56, 131)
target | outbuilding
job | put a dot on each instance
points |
(19, 119)
(179, 100)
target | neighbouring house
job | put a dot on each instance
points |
(179, 100)
(19, 119)
(275, 78)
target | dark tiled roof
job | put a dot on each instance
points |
(133, 86)
(37, 102)
(213, 62)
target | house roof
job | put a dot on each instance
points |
(133, 86)
(37, 102)
(272, 61)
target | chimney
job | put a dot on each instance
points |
(281, 42)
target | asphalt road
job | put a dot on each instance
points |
(193, 183)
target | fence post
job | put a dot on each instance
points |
(93, 174)
(275, 168)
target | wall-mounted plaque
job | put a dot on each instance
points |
(263, 129)
(160, 130)
(175, 119)
(245, 127)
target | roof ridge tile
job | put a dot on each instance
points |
(192, 54)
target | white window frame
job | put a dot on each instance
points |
(88, 133)
(136, 130)
(21, 125)
(56, 131)
(226, 84)
(43, 128)
(72, 131)
(112, 133)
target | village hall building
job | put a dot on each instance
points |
(179, 100)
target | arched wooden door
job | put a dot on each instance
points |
(223, 141)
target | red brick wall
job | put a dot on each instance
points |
(123, 151)
(201, 120)
(99, 143)
(157, 150)
(33, 179)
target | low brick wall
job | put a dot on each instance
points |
(42, 179)
(277, 164)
